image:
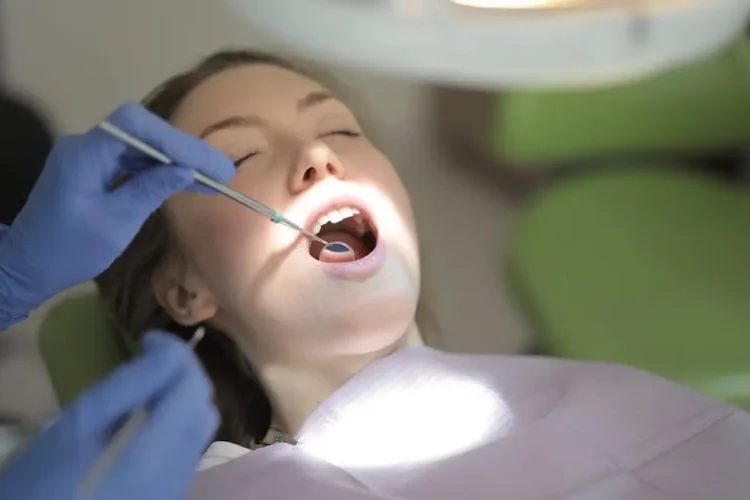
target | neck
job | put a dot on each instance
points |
(297, 389)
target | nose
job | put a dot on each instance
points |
(317, 162)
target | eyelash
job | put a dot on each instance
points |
(344, 133)
(242, 160)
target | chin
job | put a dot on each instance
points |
(359, 317)
(379, 326)
(313, 311)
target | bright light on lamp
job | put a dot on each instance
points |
(512, 4)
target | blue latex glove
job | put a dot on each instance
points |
(161, 460)
(74, 225)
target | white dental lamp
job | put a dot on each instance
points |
(502, 43)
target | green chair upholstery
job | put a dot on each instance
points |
(647, 267)
(80, 345)
(700, 108)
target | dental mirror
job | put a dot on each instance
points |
(336, 251)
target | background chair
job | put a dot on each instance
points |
(647, 266)
(80, 345)
(526, 137)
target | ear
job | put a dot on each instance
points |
(183, 295)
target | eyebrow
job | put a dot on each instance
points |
(310, 100)
(233, 122)
(314, 99)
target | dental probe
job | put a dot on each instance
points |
(122, 437)
(250, 203)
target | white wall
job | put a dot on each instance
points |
(85, 56)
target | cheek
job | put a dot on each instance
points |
(403, 202)
(384, 177)
(219, 235)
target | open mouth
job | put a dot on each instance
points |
(347, 224)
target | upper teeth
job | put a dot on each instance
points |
(334, 216)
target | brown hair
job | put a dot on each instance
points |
(126, 286)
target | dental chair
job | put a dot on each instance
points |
(525, 137)
(697, 109)
(643, 262)
(80, 344)
(648, 267)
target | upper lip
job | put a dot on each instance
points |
(334, 203)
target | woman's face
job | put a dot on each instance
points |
(301, 151)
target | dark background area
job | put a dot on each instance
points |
(25, 141)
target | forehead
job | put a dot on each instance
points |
(261, 89)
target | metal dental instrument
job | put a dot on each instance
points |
(122, 437)
(250, 203)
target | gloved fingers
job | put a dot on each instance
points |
(136, 383)
(84, 160)
(183, 413)
(182, 148)
(178, 428)
(137, 166)
(147, 189)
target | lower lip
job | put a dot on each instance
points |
(360, 269)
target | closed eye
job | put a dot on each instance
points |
(345, 133)
(242, 160)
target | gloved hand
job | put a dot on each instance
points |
(161, 460)
(75, 224)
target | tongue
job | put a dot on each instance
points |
(354, 242)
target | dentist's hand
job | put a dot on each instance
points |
(76, 222)
(160, 461)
